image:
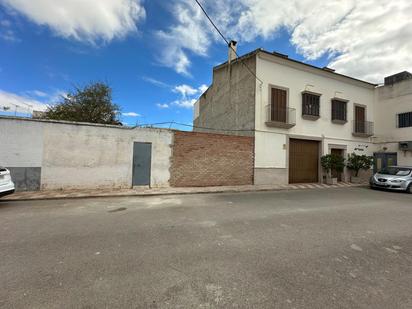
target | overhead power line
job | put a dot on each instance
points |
(227, 42)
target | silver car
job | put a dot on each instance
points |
(397, 178)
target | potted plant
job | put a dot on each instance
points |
(332, 162)
(357, 163)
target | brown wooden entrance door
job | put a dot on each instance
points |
(360, 119)
(278, 105)
(303, 161)
(335, 174)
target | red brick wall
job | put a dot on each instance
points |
(204, 159)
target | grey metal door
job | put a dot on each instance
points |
(384, 159)
(142, 159)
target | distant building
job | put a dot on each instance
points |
(37, 114)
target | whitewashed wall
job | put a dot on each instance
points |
(82, 155)
(271, 149)
(269, 146)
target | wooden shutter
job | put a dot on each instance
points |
(338, 110)
(360, 119)
(278, 105)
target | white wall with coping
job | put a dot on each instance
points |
(21, 143)
(75, 155)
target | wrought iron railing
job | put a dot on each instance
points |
(281, 115)
(362, 127)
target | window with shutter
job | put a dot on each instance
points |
(339, 111)
(278, 105)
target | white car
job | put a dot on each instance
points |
(6, 184)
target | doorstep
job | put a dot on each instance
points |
(138, 191)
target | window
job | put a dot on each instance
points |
(278, 110)
(339, 111)
(405, 120)
(310, 105)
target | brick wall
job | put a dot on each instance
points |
(204, 159)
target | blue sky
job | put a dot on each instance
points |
(157, 55)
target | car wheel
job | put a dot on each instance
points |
(409, 189)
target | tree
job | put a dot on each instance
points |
(91, 103)
(358, 162)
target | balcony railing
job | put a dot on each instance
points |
(362, 128)
(280, 117)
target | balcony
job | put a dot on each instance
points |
(362, 128)
(284, 118)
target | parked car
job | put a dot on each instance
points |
(397, 178)
(6, 183)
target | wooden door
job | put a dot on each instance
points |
(335, 174)
(303, 161)
(360, 119)
(278, 105)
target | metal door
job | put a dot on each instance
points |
(384, 159)
(142, 159)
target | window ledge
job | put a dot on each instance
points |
(338, 121)
(278, 124)
(310, 117)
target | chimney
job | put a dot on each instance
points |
(232, 51)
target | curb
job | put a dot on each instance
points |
(43, 198)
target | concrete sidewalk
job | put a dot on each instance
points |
(68, 194)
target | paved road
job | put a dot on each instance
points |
(335, 248)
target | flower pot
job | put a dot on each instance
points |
(355, 179)
(331, 181)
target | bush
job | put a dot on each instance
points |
(332, 162)
(359, 162)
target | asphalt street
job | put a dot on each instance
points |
(330, 248)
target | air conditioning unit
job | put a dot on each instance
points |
(406, 146)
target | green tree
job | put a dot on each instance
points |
(359, 162)
(91, 103)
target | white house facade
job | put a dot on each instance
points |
(297, 112)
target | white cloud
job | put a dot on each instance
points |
(188, 96)
(12, 102)
(6, 31)
(202, 88)
(366, 39)
(131, 114)
(187, 34)
(184, 103)
(38, 93)
(83, 20)
(155, 82)
(185, 90)
(162, 105)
